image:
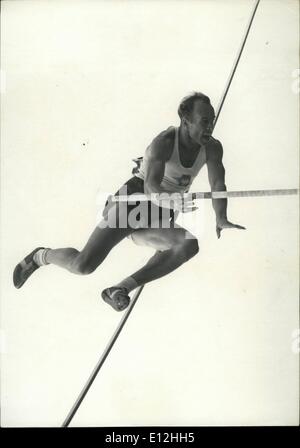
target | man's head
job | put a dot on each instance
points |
(197, 116)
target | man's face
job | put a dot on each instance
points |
(200, 122)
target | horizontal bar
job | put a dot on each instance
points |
(207, 195)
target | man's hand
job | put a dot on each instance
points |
(174, 201)
(224, 224)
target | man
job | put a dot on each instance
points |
(171, 162)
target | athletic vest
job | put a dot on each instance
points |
(176, 178)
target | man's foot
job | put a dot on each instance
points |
(117, 297)
(24, 269)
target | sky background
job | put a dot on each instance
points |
(87, 86)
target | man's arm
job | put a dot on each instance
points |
(216, 176)
(155, 169)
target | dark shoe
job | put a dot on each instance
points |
(24, 269)
(117, 297)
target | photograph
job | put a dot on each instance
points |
(149, 215)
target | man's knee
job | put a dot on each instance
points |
(189, 248)
(82, 265)
(192, 247)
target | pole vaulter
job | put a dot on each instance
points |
(193, 196)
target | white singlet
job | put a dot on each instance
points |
(176, 177)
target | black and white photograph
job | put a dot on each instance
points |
(149, 214)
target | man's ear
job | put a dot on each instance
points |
(185, 121)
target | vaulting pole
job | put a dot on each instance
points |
(220, 106)
(102, 359)
(139, 290)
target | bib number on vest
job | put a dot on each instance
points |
(184, 180)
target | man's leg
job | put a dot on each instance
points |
(109, 232)
(98, 246)
(100, 243)
(173, 246)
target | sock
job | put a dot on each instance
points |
(129, 283)
(40, 257)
